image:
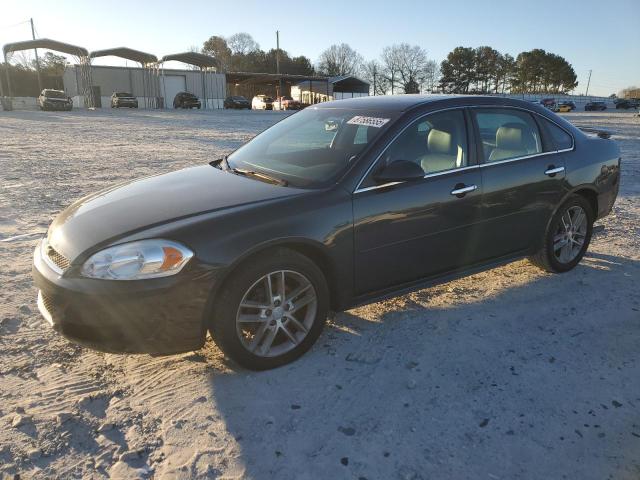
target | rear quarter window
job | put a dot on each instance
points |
(561, 139)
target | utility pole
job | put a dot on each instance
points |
(375, 73)
(588, 82)
(278, 52)
(33, 35)
(280, 85)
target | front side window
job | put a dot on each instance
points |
(312, 146)
(507, 134)
(436, 142)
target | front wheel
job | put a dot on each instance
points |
(567, 237)
(271, 310)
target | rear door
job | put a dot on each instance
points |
(411, 230)
(522, 176)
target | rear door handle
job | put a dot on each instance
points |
(461, 191)
(552, 170)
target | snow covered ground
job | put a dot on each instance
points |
(506, 374)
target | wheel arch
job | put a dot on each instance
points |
(588, 192)
(314, 250)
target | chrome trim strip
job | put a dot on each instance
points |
(509, 160)
(375, 187)
(480, 165)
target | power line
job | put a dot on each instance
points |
(15, 24)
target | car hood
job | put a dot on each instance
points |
(103, 217)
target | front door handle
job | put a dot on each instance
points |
(552, 170)
(461, 190)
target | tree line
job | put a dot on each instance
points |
(405, 68)
(24, 79)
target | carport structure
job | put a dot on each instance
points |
(80, 54)
(207, 65)
(273, 84)
(149, 65)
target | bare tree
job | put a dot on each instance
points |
(340, 60)
(242, 43)
(431, 76)
(373, 72)
(391, 66)
(408, 67)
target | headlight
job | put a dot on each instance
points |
(138, 260)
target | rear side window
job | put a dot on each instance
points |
(507, 134)
(561, 139)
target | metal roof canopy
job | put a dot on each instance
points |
(126, 53)
(255, 78)
(349, 83)
(193, 58)
(47, 44)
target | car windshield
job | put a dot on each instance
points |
(123, 94)
(239, 99)
(312, 147)
(54, 94)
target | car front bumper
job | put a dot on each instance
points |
(129, 103)
(57, 105)
(156, 316)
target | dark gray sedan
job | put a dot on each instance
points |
(338, 205)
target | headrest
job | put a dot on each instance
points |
(511, 136)
(439, 141)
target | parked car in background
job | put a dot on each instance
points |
(342, 204)
(569, 103)
(626, 104)
(286, 103)
(50, 99)
(237, 102)
(549, 103)
(123, 99)
(562, 108)
(595, 106)
(262, 102)
(186, 100)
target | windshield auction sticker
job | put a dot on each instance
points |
(368, 121)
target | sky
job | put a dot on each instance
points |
(597, 36)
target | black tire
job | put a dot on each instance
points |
(545, 258)
(227, 302)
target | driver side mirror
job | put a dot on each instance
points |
(399, 171)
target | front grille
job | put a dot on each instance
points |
(47, 302)
(57, 258)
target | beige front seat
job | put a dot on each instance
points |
(444, 152)
(513, 140)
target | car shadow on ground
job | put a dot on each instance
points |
(513, 383)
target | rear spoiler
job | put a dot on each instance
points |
(600, 132)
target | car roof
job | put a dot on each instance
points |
(404, 102)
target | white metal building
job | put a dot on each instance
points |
(108, 79)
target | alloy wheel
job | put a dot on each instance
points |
(276, 313)
(570, 234)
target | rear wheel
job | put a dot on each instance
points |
(271, 310)
(567, 237)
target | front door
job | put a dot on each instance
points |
(415, 229)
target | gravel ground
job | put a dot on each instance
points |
(507, 374)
